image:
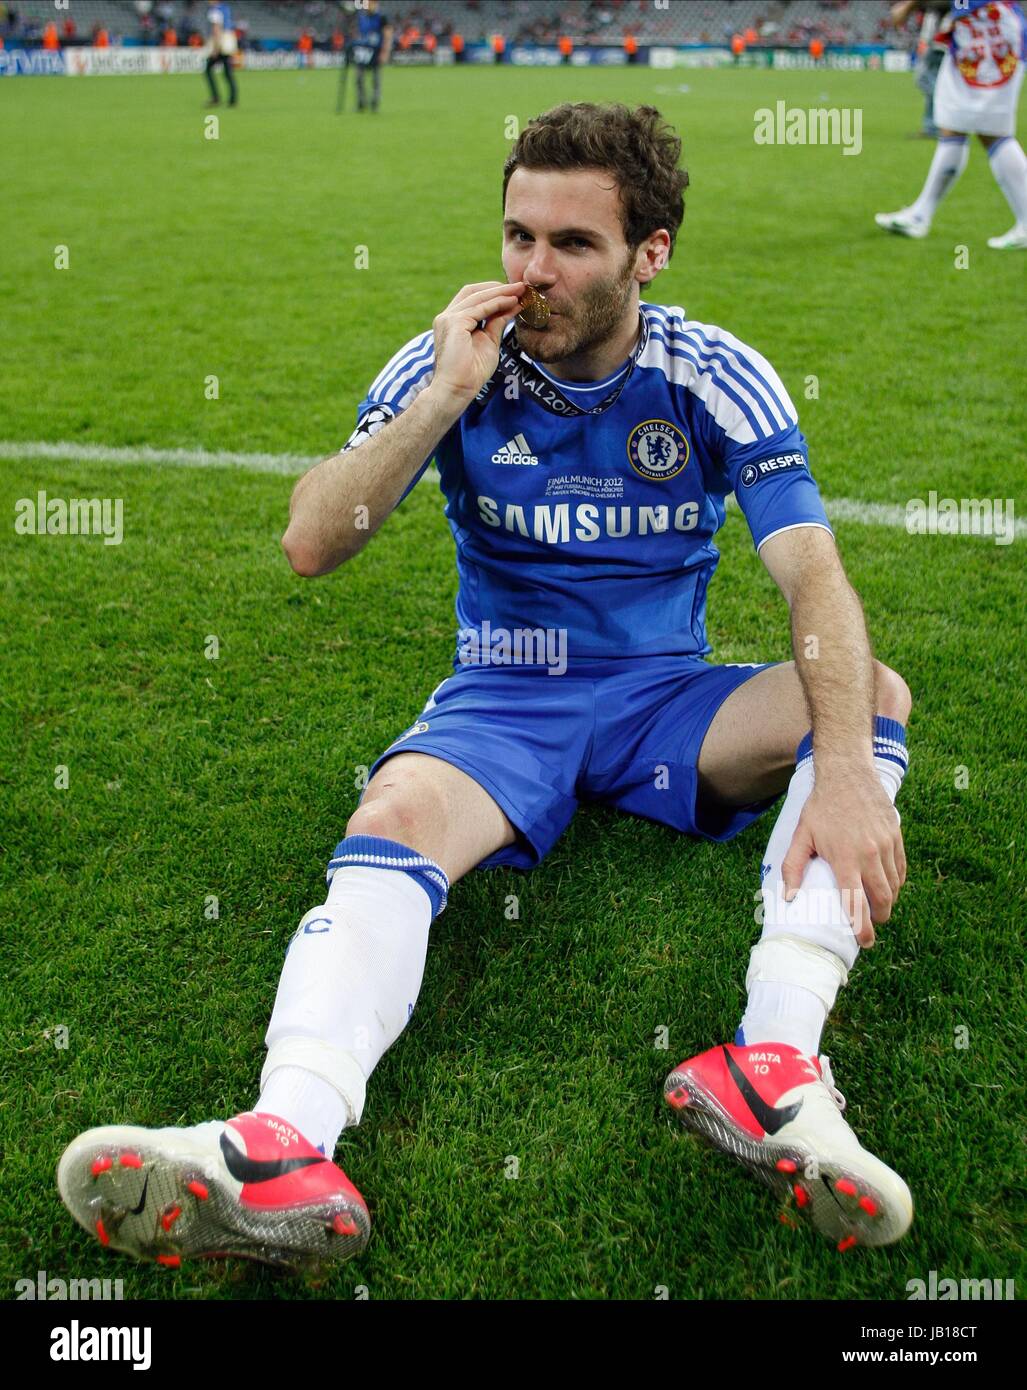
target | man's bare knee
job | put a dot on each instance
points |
(435, 808)
(894, 698)
(390, 816)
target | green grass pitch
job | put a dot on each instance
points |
(189, 777)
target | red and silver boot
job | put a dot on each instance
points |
(251, 1186)
(778, 1112)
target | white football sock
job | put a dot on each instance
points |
(808, 946)
(1009, 165)
(308, 1102)
(350, 980)
(950, 157)
(784, 1013)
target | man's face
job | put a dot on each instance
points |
(562, 233)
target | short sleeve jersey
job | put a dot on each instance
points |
(592, 508)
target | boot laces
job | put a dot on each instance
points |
(828, 1079)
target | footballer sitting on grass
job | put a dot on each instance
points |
(585, 452)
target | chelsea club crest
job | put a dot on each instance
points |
(657, 450)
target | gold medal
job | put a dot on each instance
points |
(534, 309)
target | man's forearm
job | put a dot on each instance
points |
(835, 665)
(901, 11)
(342, 501)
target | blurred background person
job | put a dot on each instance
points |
(371, 52)
(929, 55)
(977, 93)
(222, 48)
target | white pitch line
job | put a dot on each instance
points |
(289, 465)
(892, 514)
(292, 465)
(885, 514)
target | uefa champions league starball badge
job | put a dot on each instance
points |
(534, 309)
(657, 450)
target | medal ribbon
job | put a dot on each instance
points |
(515, 364)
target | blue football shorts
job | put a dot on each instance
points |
(624, 733)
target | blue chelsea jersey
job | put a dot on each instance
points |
(590, 508)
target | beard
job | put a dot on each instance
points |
(596, 316)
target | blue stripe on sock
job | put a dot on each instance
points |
(889, 742)
(889, 729)
(739, 1037)
(374, 852)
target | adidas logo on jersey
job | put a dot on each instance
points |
(516, 450)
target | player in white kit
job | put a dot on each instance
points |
(977, 93)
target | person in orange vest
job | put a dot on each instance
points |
(338, 41)
(751, 36)
(631, 47)
(498, 48)
(816, 49)
(306, 47)
(431, 42)
(101, 38)
(737, 46)
(50, 38)
(169, 38)
(456, 42)
(195, 39)
(566, 46)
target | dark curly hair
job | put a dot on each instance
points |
(638, 147)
